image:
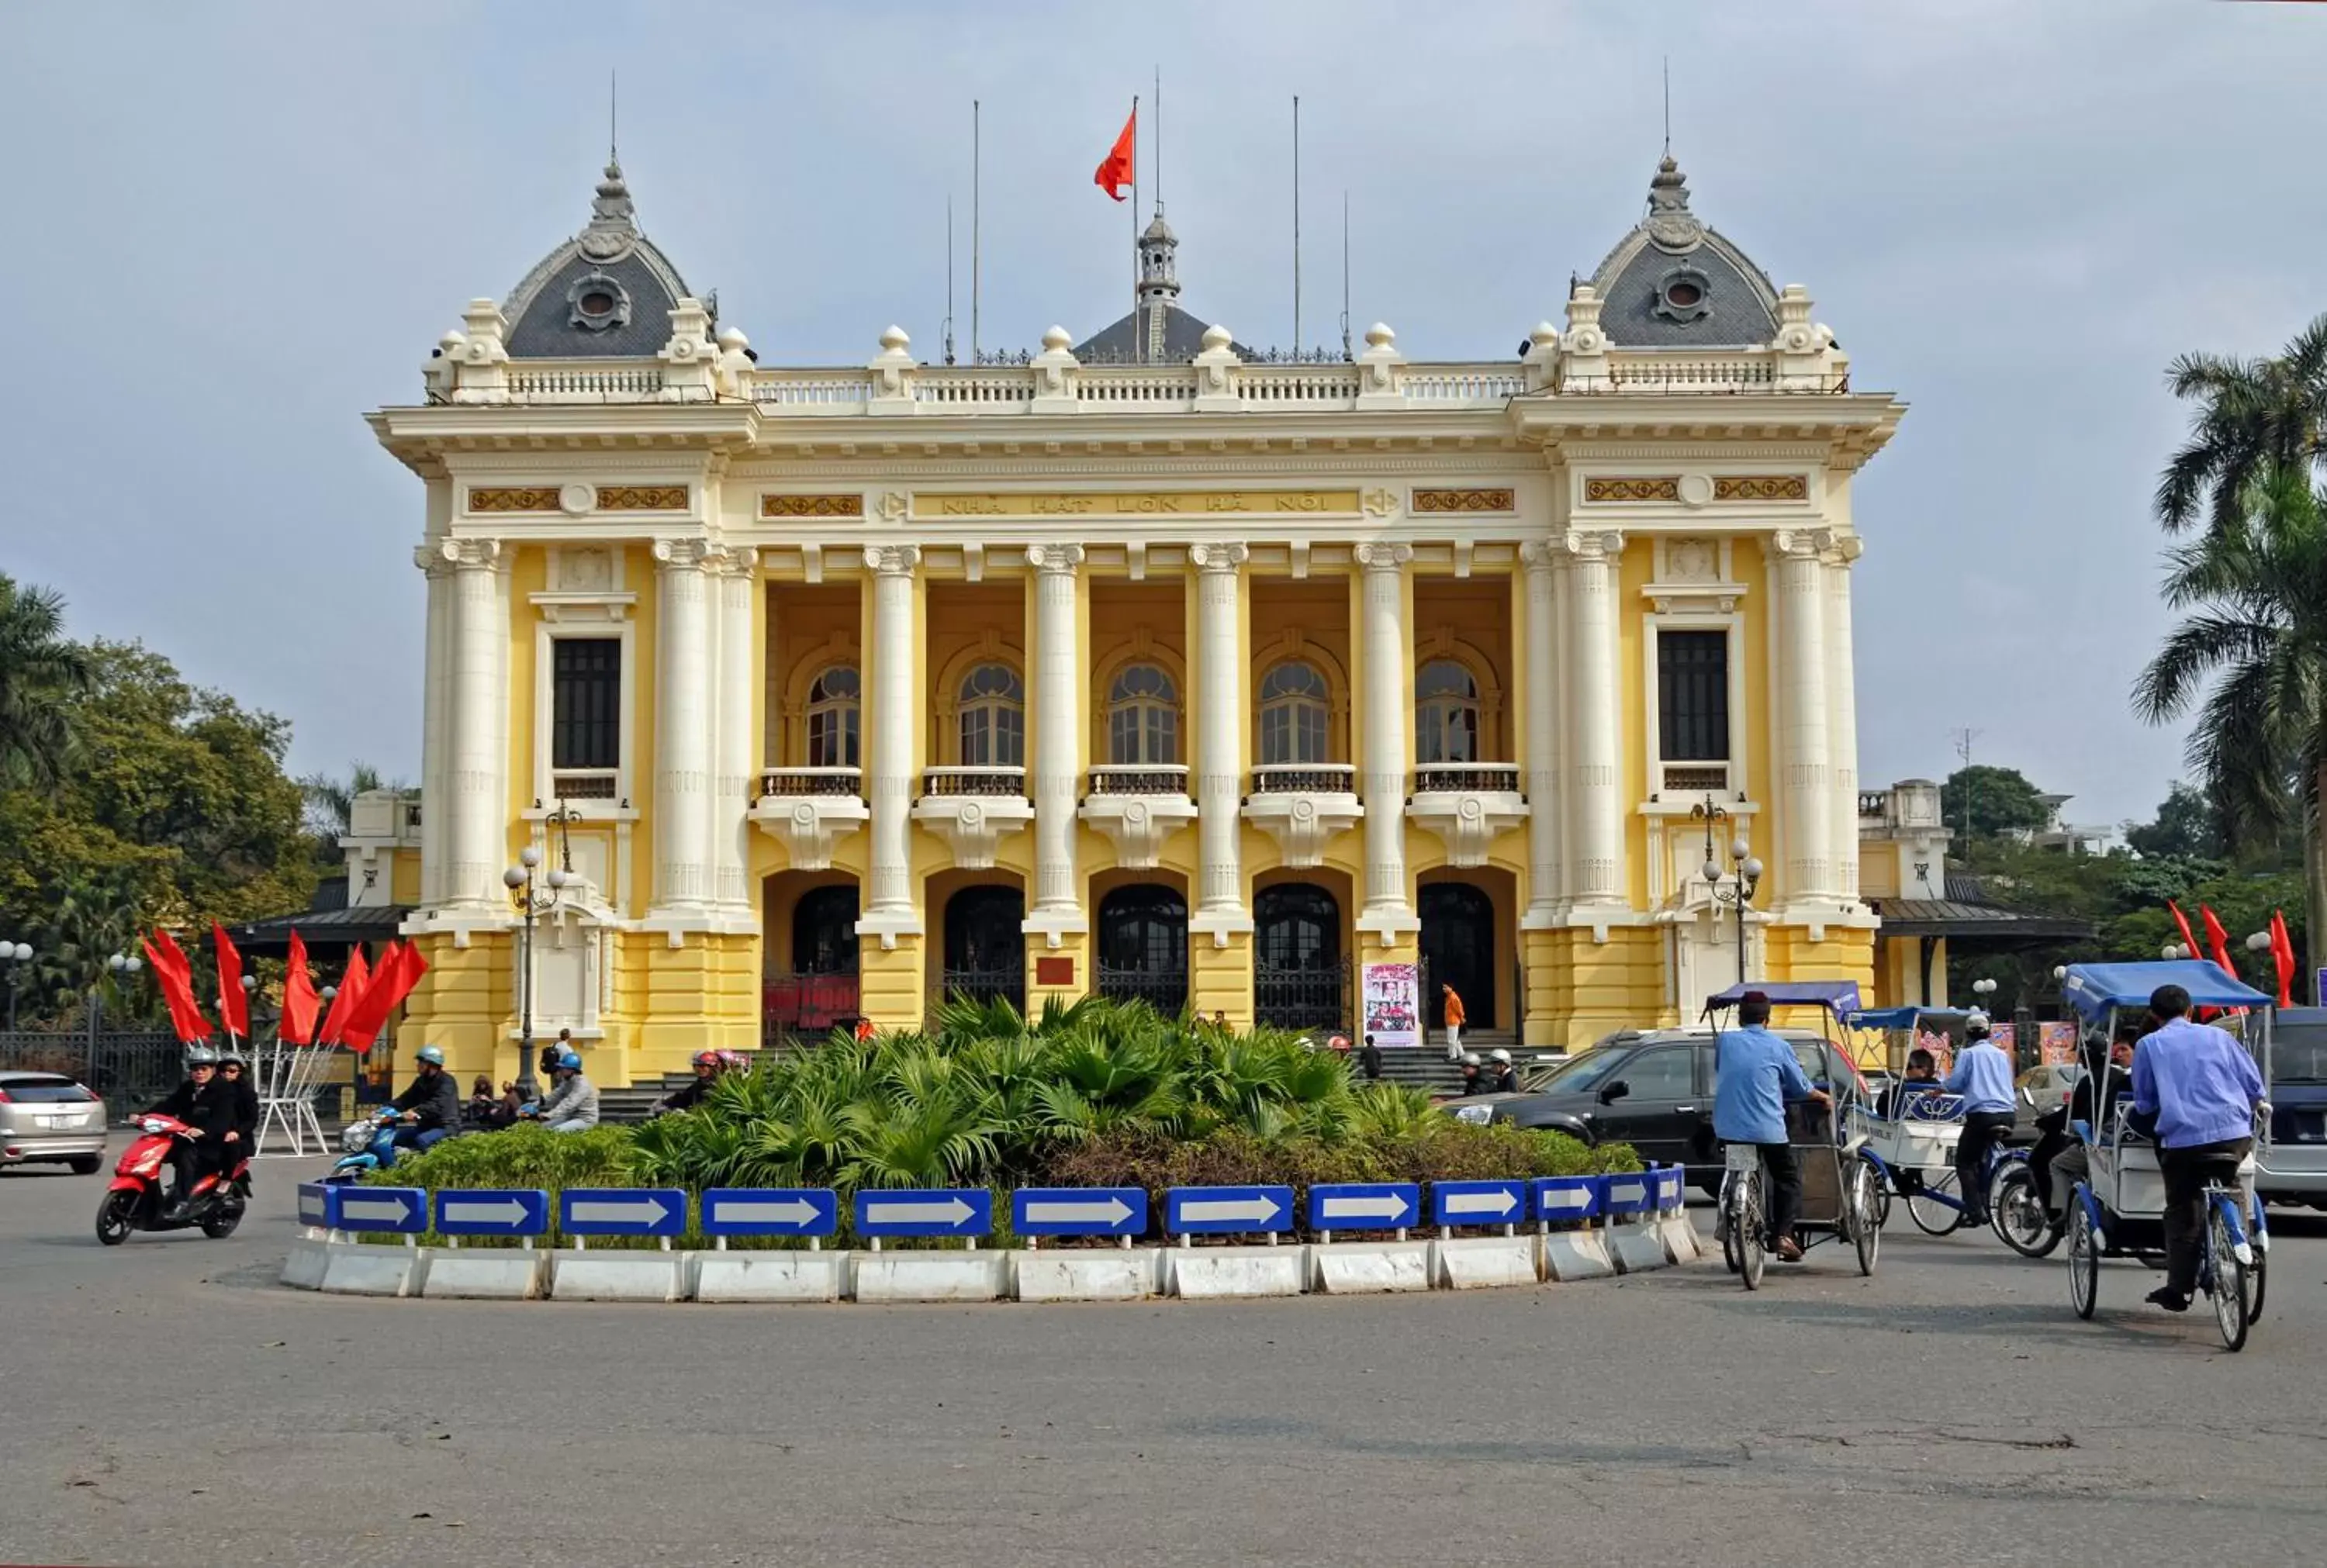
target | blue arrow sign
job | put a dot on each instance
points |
(1226, 1211)
(403, 1211)
(502, 1212)
(1628, 1193)
(770, 1211)
(1365, 1205)
(1669, 1188)
(622, 1211)
(1558, 1198)
(1079, 1211)
(314, 1203)
(916, 1212)
(1478, 1203)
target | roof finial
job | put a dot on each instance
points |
(1667, 106)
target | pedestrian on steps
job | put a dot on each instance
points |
(1370, 1061)
(1452, 1013)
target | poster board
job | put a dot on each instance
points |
(2056, 1043)
(1390, 1004)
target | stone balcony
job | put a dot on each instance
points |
(1467, 804)
(973, 809)
(1303, 806)
(808, 810)
(1138, 808)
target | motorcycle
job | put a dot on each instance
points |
(368, 1145)
(135, 1200)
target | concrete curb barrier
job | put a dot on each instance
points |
(1678, 1232)
(1470, 1263)
(1220, 1272)
(979, 1275)
(1344, 1268)
(1636, 1245)
(487, 1274)
(356, 1269)
(1576, 1254)
(1090, 1274)
(617, 1276)
(768, 1276)
(303, 1270)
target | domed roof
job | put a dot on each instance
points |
(605, 293)
(1676, 283)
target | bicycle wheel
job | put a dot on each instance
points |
(1882, 1193)
(2227, 1275)
(1932, 1205)
(2019, 1213)
(1866, 1223)
(1752, 1245)
(2084, 1260)
(2257, 1276)
(1724, 1224)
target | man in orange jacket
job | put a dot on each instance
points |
(1452, 1013)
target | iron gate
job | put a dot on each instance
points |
(1301, 995)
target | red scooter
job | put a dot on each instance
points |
(134, 1201)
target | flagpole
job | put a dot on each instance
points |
(1136, 353)
(977, 211)
(1297, 226)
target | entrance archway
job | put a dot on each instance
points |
(1458, 948)
(1143, 946)
(1300, 979)
(986, 945)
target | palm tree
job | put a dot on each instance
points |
(2254, 416)
(332, 802)
(2250, 657)
(40, 673)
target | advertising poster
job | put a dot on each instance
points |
(1391, 1004)
(1941, 1047)
(2056, 1043)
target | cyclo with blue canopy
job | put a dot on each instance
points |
(1839, 1198)
(2118, 1210)
(1910, 1134)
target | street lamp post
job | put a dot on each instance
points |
(123, 967)
(532, 901)
(1743, 868)
(18, 955)
(2173, 951)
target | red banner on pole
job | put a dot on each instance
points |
(234, 1001)
(175, 975)
(299, 999)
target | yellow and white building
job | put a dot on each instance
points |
(1145, 665)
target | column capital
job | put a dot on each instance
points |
(733, 561)
(1590, 544)
(1844, 549)
(1384, 554)
(432, 559)
(684, 555)
(1802, 544)
(471, 554)
(1540, 557)
(1222, 559)
(1060, 559)
(892, 560)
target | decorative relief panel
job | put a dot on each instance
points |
(1771, 487)
(1655, 489)
(848, 506)
(642, 498)
(1465, 501)
(538, 498)
(1135, 503)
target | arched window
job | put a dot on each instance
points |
(833, 705)
(1445, 714)
(1143, 719)
(1292, 714)
(993, 713)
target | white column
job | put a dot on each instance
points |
(683, 720)
(1218, 710)
(1805, 777)
(1842, 717)
(738, 683)
(1541, 675)
(435, 686)
(1596, 810)
(1057, 741)
(1388, 658)
(889, 746)
(475, 832)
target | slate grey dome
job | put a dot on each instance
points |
(1675, 282)
(605, 293)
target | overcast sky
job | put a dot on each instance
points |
(231, 230)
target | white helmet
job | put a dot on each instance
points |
(1499, 1054)
(1975, 1023)
(1470, 1059)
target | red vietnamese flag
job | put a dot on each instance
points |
(299, 999)
(1116, 172)
(400, 969)
(343, 1002)
(175, 977)
(2219, 938)
(2281, 952)
(234, 1001)
(2189, 938)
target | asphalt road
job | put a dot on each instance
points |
(166, 1402)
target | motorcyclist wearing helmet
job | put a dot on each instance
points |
(573, 1104)
(1473, 1082)
(206, 1106)
(428, 1111)
(708, 1067)
(234, 1076)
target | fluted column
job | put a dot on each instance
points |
(1388, 658)
(436, 685)
(1058, 733)
(737, 681)
(1842, 717)
(683, 720)
(1596, 769)
(1804, 768)
(475, 833)
(1219, 713)
(1541, 563)
(889, 749)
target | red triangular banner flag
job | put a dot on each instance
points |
(351, 992)
(174, 975)
(234, 1001)
(299, 999)
(399, 971)
(2219, 938)
(2281, 952)
(2189, 938)
(1116, 171)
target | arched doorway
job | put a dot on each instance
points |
(810, 988)
(1458, 949)
(1143, 946)
(986, 945)
(1300, 980)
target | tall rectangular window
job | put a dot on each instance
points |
(1693, 696)
(585, 711)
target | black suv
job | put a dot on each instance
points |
(1651, 1089)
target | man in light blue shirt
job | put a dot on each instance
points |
(1754, 1074)
(2202, 1087)
(1983, 1076)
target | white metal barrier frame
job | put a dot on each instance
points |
(290, 1076)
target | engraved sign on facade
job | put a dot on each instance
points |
(848, 506)
(1767, 487)
(1137, 503)
(534, 498)
(1666, 488)
(1465, 501)
(642, 498)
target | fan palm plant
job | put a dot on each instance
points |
(40, 673)
(2255, 417)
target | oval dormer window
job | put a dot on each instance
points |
(1681, 295)
(597, 301)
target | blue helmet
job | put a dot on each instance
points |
(570, 1061)
(432, 1055)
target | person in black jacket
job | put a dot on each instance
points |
(709, 1066)
(1370, 1058)
(430, 1106)
(234, 1075)
(206, 1106)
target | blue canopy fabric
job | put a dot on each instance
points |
(2092, 989)
(1838, 995)
(1902, 1017)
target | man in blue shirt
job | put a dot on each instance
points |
(2202, 1087)
(1754, 1074)
(1983, 1077)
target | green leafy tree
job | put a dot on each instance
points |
(2187, 824)
(41, 672)
(1999, 801)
